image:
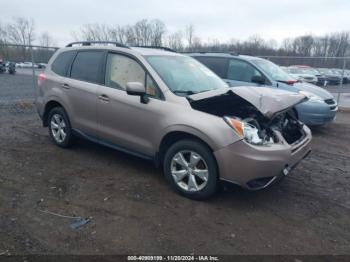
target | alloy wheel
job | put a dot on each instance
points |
(189, 170)
(58, 128)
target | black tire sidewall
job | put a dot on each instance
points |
(69, 136)
(207, 155)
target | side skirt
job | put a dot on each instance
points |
(111, 145)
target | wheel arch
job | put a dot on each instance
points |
(174, 136)
(48, 106)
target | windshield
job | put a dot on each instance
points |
(273, 70)
(184, 75)
(325, 71)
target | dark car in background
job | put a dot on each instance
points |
(347, 73)
(2, 66)
(241, 70)
(332, 77)
(342, 75)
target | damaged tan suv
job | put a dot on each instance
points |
(167, 107)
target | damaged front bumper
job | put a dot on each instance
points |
(256, 167)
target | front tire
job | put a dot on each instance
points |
(60, 129)
(191, 170)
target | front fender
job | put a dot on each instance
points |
(214, 140)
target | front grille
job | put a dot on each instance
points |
(330, 101)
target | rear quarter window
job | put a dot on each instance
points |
(217, 64)
(62, 63)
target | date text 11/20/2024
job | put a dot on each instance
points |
(173, 258)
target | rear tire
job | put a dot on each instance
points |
(60, 129)
(191, 169)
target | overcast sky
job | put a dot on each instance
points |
(222, 19)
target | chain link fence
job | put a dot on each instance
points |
(19, 67)
(331, 73)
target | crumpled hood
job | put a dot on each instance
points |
(267, 100)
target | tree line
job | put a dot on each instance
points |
(21, 31)
(155, 33)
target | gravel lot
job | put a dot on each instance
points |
(133, 210)
(15, 88)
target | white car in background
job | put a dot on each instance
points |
(296, 77)
(26, 65)
(300, 74)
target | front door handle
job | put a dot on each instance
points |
(65, 86)
(103, 98)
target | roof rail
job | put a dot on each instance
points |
(156, 47)
(89, 43)
(233, 53)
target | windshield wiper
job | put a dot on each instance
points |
(186, 92)
(202, 91)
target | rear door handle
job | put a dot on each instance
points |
(103, 98)
(65, 86)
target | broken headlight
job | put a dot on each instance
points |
(249, 132)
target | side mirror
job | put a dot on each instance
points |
(137, 89)
(258, 80)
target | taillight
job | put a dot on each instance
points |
(41, 79)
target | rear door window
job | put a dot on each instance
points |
(87, 66)
(241, 71)
(217, 64)
(62, 63)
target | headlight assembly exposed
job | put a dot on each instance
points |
(251, 134)
(245, 130)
